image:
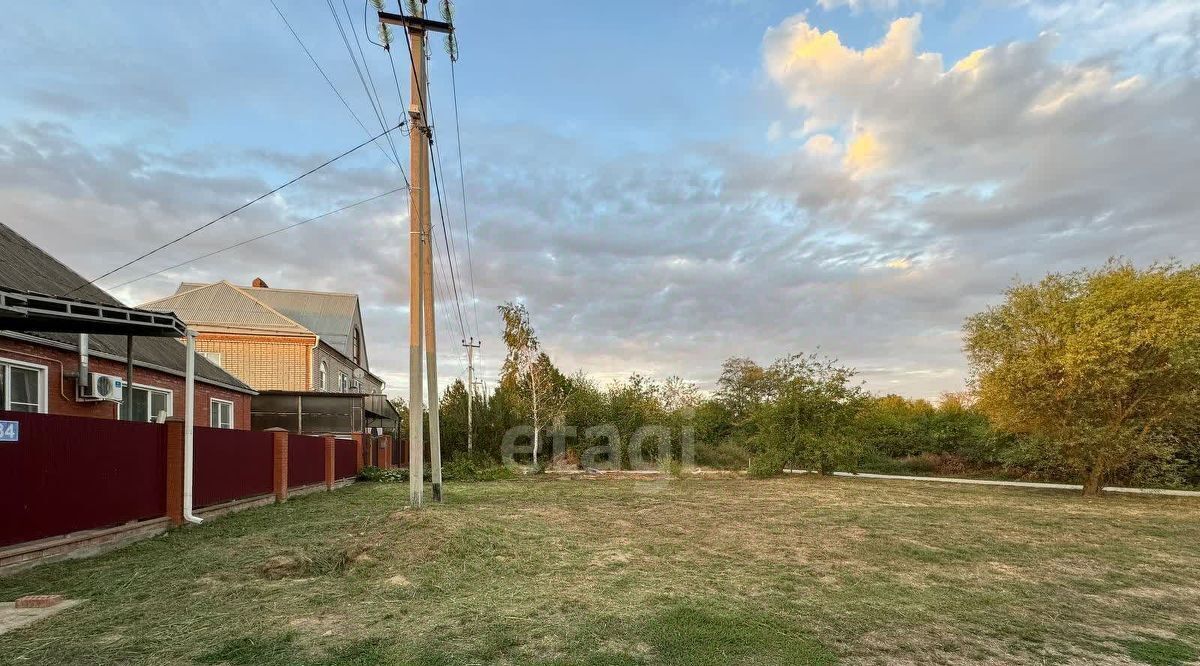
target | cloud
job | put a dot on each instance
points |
(1155, 36)
(1008, 162)
(915, 189)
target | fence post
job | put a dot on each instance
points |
(387, 450)
(281, 463)
(358, 452)
(384, 449)
(175, 470)
(330, 444)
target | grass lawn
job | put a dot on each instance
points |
(717, 571)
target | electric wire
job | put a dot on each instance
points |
(391, 158)
(232, 212)
(372, 99)
(259, 237)
(462, 182)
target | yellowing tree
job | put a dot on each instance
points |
(1102, 365)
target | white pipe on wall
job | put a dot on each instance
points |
(189, 423)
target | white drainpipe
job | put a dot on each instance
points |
(189, 422)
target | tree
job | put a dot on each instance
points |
(1102, 365)
(527, 371)
(807, 419)
(742, 387)
(453, 415)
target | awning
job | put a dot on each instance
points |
(32, 312)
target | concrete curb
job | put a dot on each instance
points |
(1011, 484)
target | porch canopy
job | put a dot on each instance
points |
(27, 311)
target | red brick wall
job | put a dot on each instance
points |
(61, 389)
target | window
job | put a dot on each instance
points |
(22, 386)
(220, 413)
(357, 347)
(321, 377)
(343, 382)
(213, 357)
(146, 403)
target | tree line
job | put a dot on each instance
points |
(1091, 376)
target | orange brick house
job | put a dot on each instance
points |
(278, 339)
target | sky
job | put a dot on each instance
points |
(664, 185)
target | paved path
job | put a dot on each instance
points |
(1013, 484)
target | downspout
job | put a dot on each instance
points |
(189, 422)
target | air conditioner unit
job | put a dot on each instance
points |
(103, 387)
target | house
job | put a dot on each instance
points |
(40, 371)
(304, 352)
(278, 339)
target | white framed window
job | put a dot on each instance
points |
(22, 386)
(220, 413)
(147, 402)
(213, 357)
(322, 377)
(343, 382)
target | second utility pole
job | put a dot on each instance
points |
(471, 347)
(422, 334)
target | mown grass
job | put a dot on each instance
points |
(785, 571)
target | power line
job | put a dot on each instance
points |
(376, 107)
(427, 113)
(259, 237)
(393, 160)
(446, 234)
(232, 212)
(462, 181)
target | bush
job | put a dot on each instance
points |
(768, 464)
(380, 475)
(672, 468)
(475, 469)
(726, 454)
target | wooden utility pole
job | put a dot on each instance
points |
(422, 338)
(471, 347)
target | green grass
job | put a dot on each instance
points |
(802, 570)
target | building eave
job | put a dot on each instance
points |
(121, 359)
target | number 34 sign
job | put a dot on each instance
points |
(10, 431)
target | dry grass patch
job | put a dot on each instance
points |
(644, 571)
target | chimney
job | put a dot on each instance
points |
(258, 282)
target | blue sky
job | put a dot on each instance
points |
(665, 184)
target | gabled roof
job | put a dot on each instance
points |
(27, 267)
(222, 305)
(331, 315)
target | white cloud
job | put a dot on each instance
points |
(914, 191)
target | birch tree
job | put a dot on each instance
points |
(528, 372)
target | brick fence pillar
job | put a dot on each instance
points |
(384, 449)
(280, 476)
(175, 470)
(358, 452)
(330, 460)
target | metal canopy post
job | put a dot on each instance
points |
(127, 401)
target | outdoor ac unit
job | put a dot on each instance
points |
(103, 387)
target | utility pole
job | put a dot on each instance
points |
(422, 338)
(471, 347)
